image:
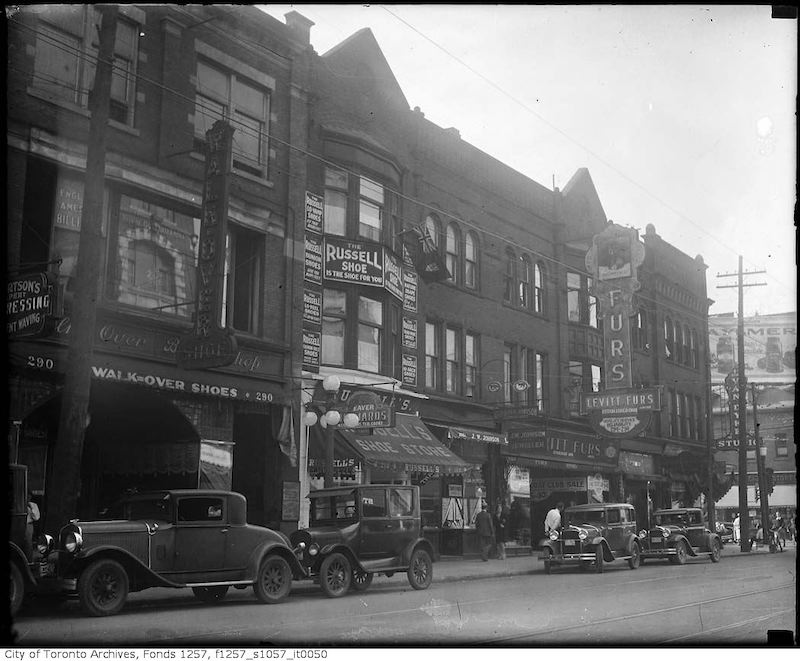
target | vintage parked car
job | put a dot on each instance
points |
(679, 533)
(592, 535)
(362, 530)
(179, 538)
(26, 571)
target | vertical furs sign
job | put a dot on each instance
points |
(211, 344)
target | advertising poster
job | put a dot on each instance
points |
(409, 333)
(393, 274)
(312, 307)
(409, 291)
(312, 345)
(312, 270)
(409, 370)
(770, 341)
(314, 211)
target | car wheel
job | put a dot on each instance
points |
(211, 594)
(636, 557)
(103, 588)
(548, 561)
(361, 580)
(16, 589)
(335, 575)
(420, 571)
(598, 559)
(273, 581)
(680, 554)
(716, 551)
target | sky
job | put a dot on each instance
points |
(684, 115)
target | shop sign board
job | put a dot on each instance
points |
(409, 332)
(30, 305)
(409, 370)
(312, 265)
(393, 274)
(371, 410)
(312, 307)
(410, 287)
(621, 412)
(398, 402)
(731, 442)
(543, 487)
(314, 213)
(355, 262)
(463, 434)
(562, 446)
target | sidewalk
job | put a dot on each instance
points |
(462, 568)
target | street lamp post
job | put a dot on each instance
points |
(329, 417)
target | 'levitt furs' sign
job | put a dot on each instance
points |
(621, 412)
(30, 305)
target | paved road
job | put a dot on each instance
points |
(734, 602)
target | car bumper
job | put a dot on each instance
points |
(566, 558)
(657, 553)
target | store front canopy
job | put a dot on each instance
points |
(783, 495)
(408, 446)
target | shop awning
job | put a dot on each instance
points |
(345, 460)
(408, 446)
(783, 495)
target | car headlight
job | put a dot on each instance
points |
(642, 534)
(313, 549)
(553, 535)
(73, 542)
(582, 535)
(44, 544)
(664, 533)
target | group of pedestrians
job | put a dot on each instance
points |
(779, 531)
(492, 530)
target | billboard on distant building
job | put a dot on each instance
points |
(770, 343)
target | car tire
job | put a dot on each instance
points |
(335, 575)
(716, 550)
(680, 554)
(273, 580)
(103, 588)
(636, 556)
(361, 580)
(16, 589)
(211, 594)
(420, 570)
(598, 559)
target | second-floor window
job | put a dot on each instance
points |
(353, 342)
(370, 210)
(452, 239)
(471, 261)
(452, 372)
(243, 277)
(470, 364)
(581, 305)
(433, 353)
(67, 44)
(223, 94)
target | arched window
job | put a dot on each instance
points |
(687, 346)
(538, 287)
(434, 229)
(471, 261)
(451, 251)
(524, 284)
(693, 348)
(669, 334)
(509, 276)
(678, 337)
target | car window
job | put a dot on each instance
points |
(694, 517)
(401, 502)
(155, 508)
(373, 502)
(675, 519)
(613, 516)
(200, 509)
(624, 515)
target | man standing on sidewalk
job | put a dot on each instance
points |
(485, 530)
(552, 522)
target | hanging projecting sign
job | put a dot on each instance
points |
(312, 269)
(211, 344)
(314, 210)
(393, 274)
(355, 262)
(621, 412)
(410, 286)
(30, 305)
(312, 307)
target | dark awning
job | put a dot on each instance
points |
(408, 446)
(345, 460)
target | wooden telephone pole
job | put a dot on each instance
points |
(744, 516)
(64, 488)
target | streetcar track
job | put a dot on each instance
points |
(630, 616)
(734, 625)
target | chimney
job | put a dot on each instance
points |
(299, 26)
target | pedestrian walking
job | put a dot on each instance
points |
(500, 523)
(737, 527)
(779, 531)
(552, 522)
(30, 522)
(485, 530)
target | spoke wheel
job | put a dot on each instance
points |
(716, 551)
(211, 594)
(636, 557)
(273, 581)
(335, 575)
(680, 554)
(103, 588)
(361, 580)
(16, 589)
(420, 571)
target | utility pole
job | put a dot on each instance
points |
(762, 475)
(744, 515)
(64, 489)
